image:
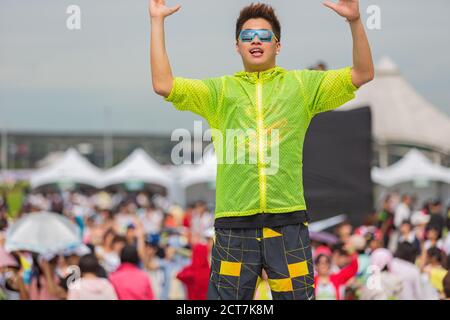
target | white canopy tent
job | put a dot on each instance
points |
(138, 166)
(197, 181)
(399, 113)
(201, 172)
(71, 167)
(414, 166)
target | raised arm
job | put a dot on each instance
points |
(362, 71)
(162, 78)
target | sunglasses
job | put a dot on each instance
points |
(265, 35)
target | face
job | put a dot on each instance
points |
(405, 228)
(340, 259)
(323, 266)
(257, 55)
(118, 246)
(345, 231)
(432, 234)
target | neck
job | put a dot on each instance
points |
(249, 68)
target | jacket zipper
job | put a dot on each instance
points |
(261, 147)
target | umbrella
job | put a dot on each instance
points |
(324, 237)
(44, 233)
(321, 225)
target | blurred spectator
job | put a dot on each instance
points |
(12, 286)
(434, 268)
(328, 286)
(45, 283)
(344, 231)
(196, 276)
(201, 220)
(437, 220)
(109, 252)
(386, 219)
(407, 235)
(152, 220)
(403, 267)
(383, 284)
(433, 238)
(90, 286)
(403, 211)
(130, 282)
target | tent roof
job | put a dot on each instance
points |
(138, 166)
(71, 167)
(400, 114)
(202, 172)
(413, 166)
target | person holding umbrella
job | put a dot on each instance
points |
(12, 286)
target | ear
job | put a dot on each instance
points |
(237, 47)
(278, 47)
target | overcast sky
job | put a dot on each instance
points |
(54, 79)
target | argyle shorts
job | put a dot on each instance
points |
(239, 255)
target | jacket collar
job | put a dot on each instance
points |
(262, 76)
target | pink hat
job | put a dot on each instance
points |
(322, 250)
(381, 258)
(7, 260)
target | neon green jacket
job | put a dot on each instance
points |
(271, 111)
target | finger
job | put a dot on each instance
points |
(331, 5)
(175, 9)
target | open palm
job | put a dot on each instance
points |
(158, 8)
(348, 9)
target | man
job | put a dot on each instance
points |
(403, 265)
(403, 211)
(129, 281)
(260, 214)
(201, 221)
(437, 219)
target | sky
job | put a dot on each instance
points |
(54, 79)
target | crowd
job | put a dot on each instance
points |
(140, 246)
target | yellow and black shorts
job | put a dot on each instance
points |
(239, 255)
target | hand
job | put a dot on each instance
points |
(158, 9)
(45, 266)
(17, 280)
(138, 227)
(348, 9)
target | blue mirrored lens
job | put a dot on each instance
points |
(264, 35)
(248, 35)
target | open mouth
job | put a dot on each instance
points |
(256, 52)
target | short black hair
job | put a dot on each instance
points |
(339, 248)
(406, 251)
(119, 238)
(435, 253)
(89, 264)
(320, 256)
(258, 10)
(129, 254)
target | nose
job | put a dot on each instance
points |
(256, 40)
